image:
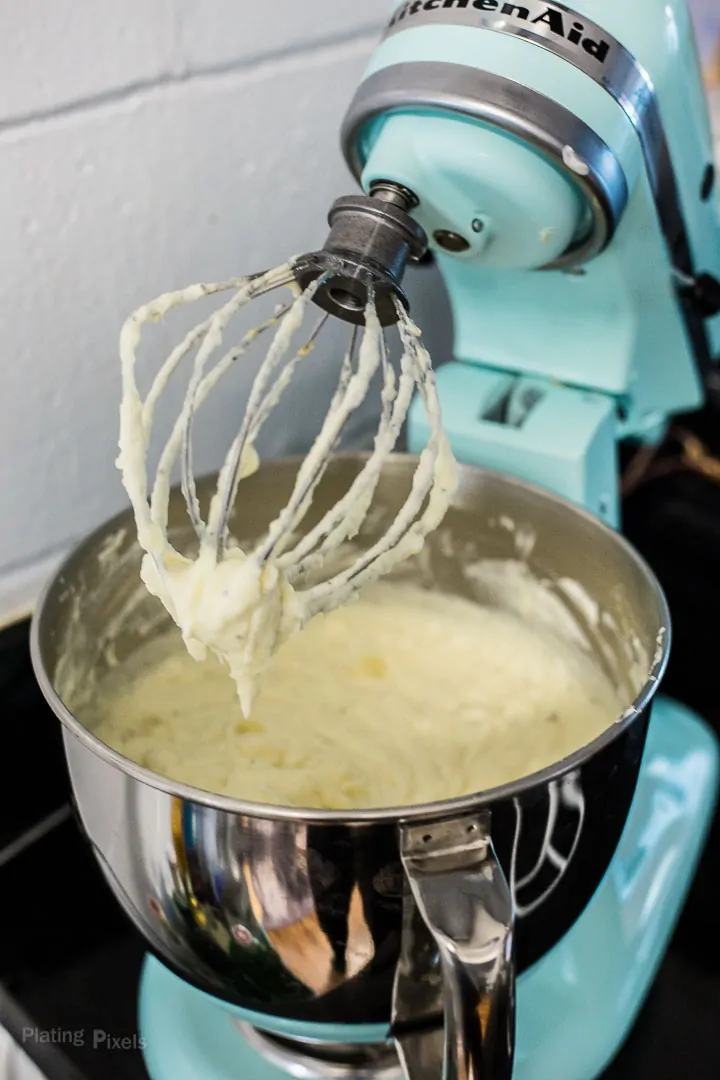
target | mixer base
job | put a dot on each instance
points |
(575, 1007)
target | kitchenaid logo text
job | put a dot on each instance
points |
(544, 20)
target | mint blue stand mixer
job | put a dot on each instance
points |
(562, 172)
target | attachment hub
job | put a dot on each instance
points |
(372, 239)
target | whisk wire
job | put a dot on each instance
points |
(211, 341)
(272, 398)
(246, 289)
(258, 409)
(365, 357)
(339, 525)
(192, 403)
(406, 533)
(313, 466)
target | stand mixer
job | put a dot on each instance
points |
(562, 173)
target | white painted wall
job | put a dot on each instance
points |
(144, 146)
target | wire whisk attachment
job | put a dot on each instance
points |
(242, 605)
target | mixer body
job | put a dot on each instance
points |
(572, 165)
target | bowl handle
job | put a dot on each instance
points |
(455, 1019)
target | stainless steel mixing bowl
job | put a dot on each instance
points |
(393, 916)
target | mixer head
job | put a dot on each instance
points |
(560, 163)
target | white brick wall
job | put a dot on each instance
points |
(214, 33)
(55, 53)
(144, 146)
(59, 53)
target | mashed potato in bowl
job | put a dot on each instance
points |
(404, 697)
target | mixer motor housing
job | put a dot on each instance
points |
(563, 173)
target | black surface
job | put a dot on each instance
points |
(29, 725)
(70, 964)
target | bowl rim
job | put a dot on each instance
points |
(431, 811)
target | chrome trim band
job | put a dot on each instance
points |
(295, 1057)
(552, 26)
(494, 100)
(610, 65)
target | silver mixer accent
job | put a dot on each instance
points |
(464, 901)
(515, 109)
(371, 242)
(312, 1060)
(456, 964)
